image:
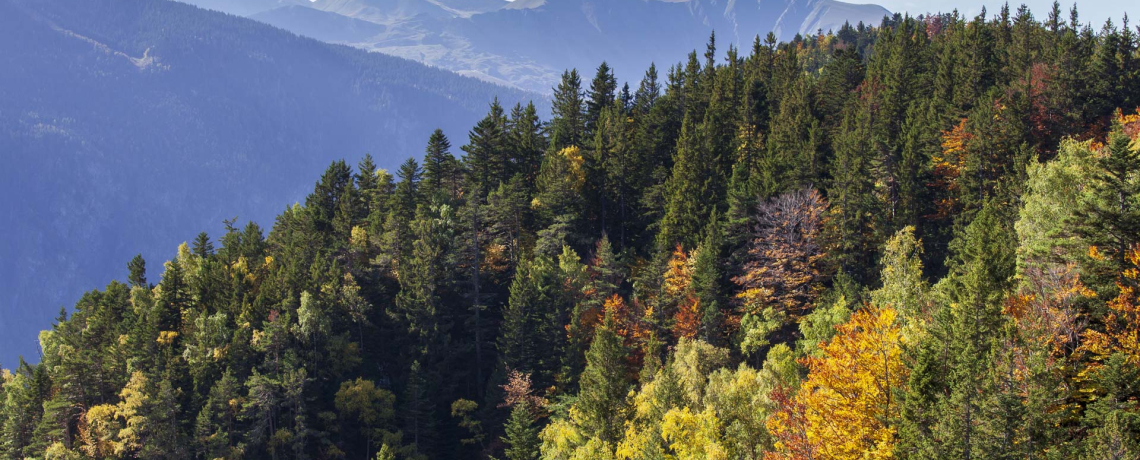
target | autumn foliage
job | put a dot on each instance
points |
(847, 407)
(1122, 324)
(678, 287)
(784, 268)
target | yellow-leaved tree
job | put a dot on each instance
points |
(847, 407)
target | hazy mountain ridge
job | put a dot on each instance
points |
(528, 43)
(125, 123)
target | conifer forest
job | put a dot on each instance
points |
(917, 240)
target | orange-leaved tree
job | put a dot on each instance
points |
(847, 407)
(680, 296)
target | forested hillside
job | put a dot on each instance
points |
(919, 240)
(127, 126)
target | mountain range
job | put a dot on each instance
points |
(528, 43)
(124, 123)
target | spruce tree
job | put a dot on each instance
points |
(647, 91)
(517, 342)
(137, 270)
(1110, 217)
(488, 159)
(972, 324)
(419, 420)
(407, 194)
(601, 96)
(744, 193)
(528, 142)
(322, 204)
(707, 281)
(439, 167)
(568, 125)
(521, 435)
(854, 231)
(202, 246)
(687, 200)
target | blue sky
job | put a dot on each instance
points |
(1095, 12)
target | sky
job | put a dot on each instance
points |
(1095, 12)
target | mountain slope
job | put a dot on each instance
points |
(123, 123)
(331, 27)
(527, 43)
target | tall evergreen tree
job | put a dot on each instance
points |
(971, 325)
(686, 205)
(407, 195)
(855, 211)
(521, 435)
(487, 156)
(568, 125)
(601, 95)
(604, 384)
(439, 167)
(137, 271)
